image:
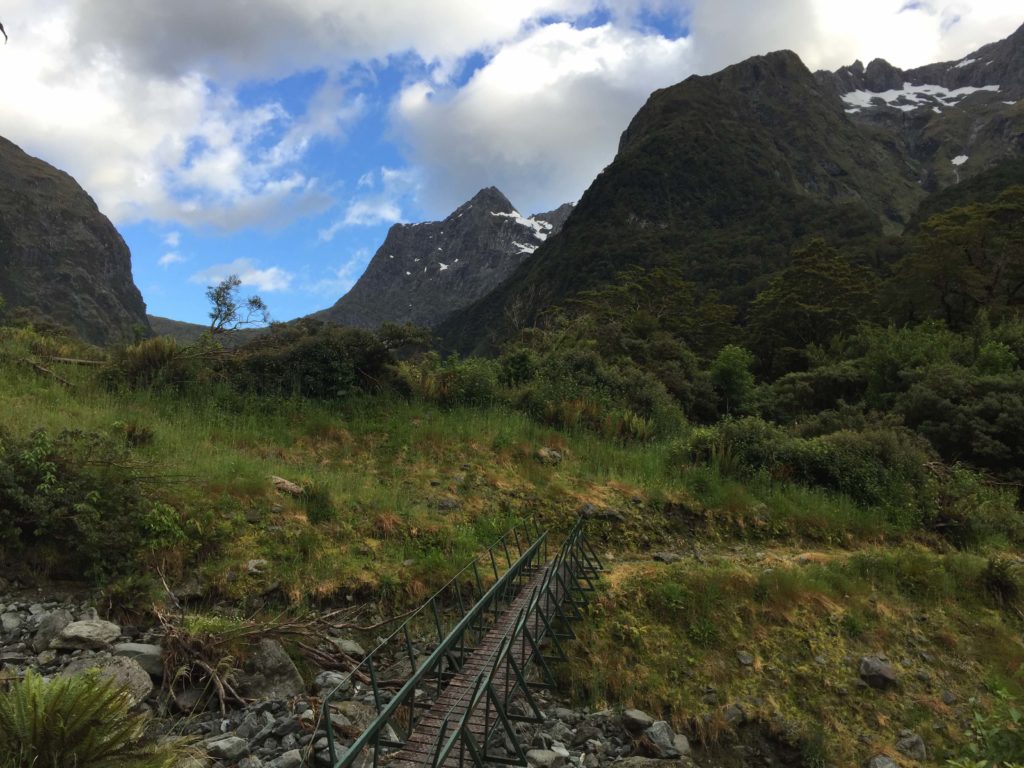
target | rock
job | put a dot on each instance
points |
(232, 748)
(544, 758)
(658, 741)
(948, 698)
(682, 744)
(560, 732)
(636, 721)
(881, 761)
(349, 647)
(250, 762)
(89, 635)
(913, 747)
(360, 714)
(567, 716)
(270, 674)
(49, 627)
(9, 622)
(257, 566)
(666, 557)
(329, 681)
(878, 673)
(591, 512)
(149, 656)
(126, 673)
(290, 759)
(734, 715)
(745, 658)
(286, 486)
(549, 456)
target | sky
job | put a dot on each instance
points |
(278, 140)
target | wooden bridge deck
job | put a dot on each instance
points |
(421, 746)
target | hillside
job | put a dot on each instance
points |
(722, 176)
(61, 260)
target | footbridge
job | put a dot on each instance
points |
(492, 633)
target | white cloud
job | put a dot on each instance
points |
(341, 279)
(170, 258)
(176, 147)
(270, 279)
(541, 118)
(172, 239)
(381, 207)
(140, 100)
(828, 34)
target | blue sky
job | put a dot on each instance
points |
(279, 139)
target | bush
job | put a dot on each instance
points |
(75, 502)
(312, 359)
(160, 362)
(876, 467)
(78, 721)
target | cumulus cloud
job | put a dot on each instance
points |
(541, 118)
(243, 39)
(170, 258)
(829, 34)
(341, 279)
(382, 205)
(172, 239)
(269, 279)
(141, 101)
(177, 148)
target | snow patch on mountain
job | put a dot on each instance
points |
(910, 97)
(959, 160)
(539, 228)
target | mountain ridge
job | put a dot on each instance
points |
(61, 259)
(723, 175)
(424, 272)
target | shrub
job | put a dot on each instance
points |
(161, 362)
(79, 721)
(76, 502)
(312, 359)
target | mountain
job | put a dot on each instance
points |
(950, 120)
(425, 272)
(723, 175)
(61, 260)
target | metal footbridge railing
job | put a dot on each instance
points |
(453, 706)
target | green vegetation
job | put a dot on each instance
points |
(77, 721)
(843, 457)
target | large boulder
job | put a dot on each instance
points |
(878, 673)
(88, 635)
(149, 656)
(269, 673)
(126, 673)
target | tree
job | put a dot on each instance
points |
(228, 312)
(819, 295)
(965, 260)
(731, 376)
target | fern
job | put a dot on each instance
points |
(82, 721)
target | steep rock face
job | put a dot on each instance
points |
(425, 272)
(60, 258)
(949, 121)
(724, 175)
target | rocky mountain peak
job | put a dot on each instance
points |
(424, 272)
(61, 260)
